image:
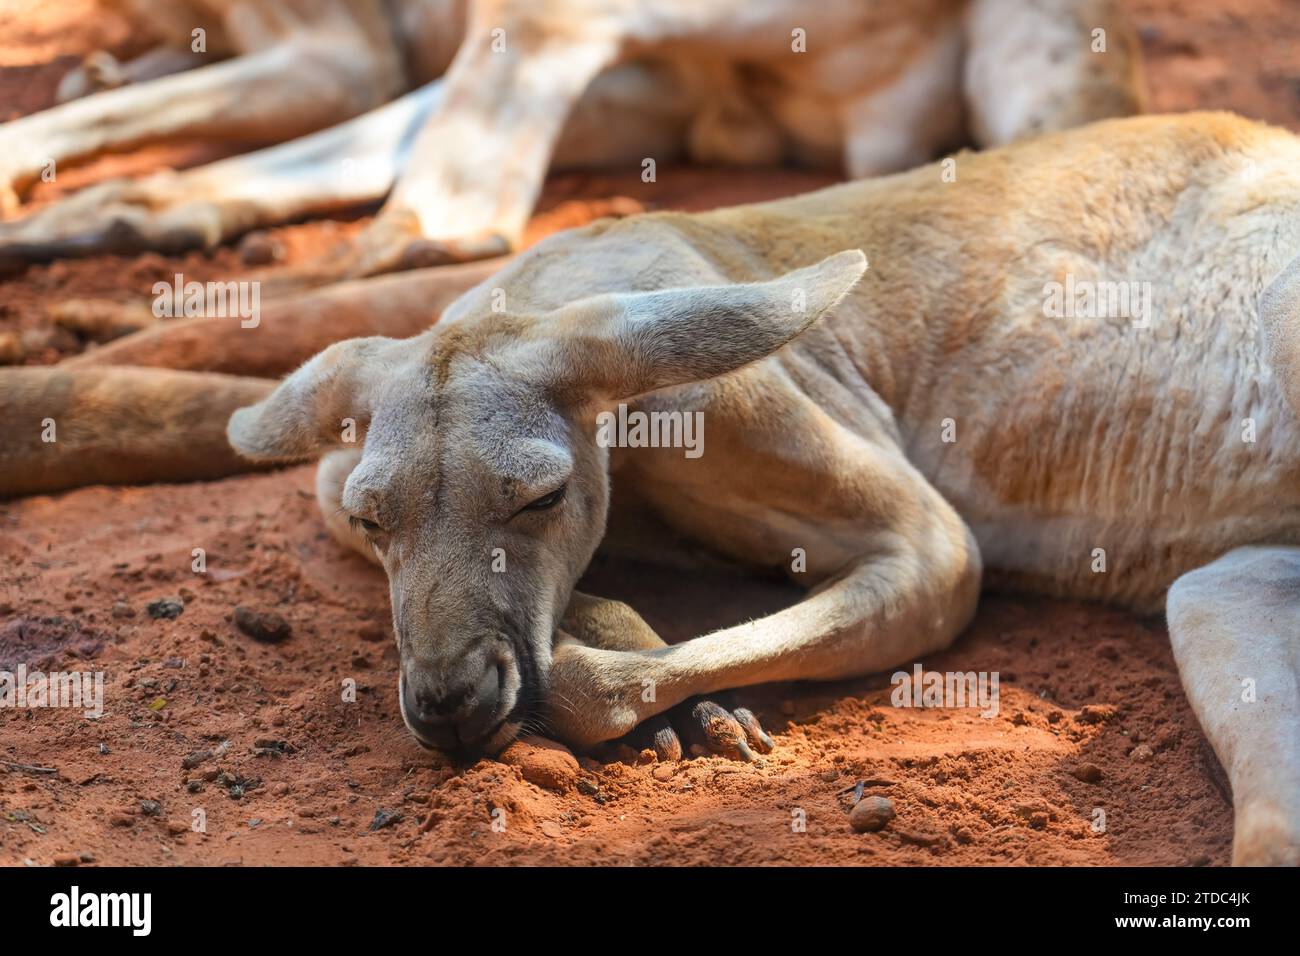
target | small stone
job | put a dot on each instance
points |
(552, 829)
(1096, 713)
(67, 859)
(165, 608)
(1141, 754)
(871, 814)
(259, 249)
(664, 771)
(265, 626)
(122, 610)
(194, 758)
(150, 808)
(385, 818)
(543, 763)
(1087, 772)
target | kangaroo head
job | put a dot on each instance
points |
(481, 486)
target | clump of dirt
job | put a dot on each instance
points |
(44, 643)
(216, 748)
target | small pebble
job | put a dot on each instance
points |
(259, 249)
(385, 818)
(1141, 754)
(871, 814)
(1087, 772)
(265, 626)
(168, 608)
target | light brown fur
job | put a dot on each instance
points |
(870, 86)
(824, 434)
(1072, 433)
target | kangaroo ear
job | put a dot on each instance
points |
(625, 344)
(306, 413)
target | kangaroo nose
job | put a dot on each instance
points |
(451, 716)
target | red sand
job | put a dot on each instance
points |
(967, 790)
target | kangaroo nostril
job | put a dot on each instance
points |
(444, 706)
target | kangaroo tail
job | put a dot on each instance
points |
(62, 428)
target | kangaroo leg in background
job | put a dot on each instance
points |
(352, 163)
(478, 164)
(1035, 68)
(62, 429)
(1235, 629)
(285, 90)
(293, 329)
(101, 71)
(632, 111)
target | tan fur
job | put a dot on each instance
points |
(877, 86)
(63, 429)
(1072, 434)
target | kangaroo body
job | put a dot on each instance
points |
(1048, 433)
(952, 416)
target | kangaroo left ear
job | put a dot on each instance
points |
(622, 345)
(304, 415)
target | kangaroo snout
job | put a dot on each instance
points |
(458, 711)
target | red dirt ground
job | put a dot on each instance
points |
(287, 772)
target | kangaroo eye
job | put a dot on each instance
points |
(363, 525)
(546, 502)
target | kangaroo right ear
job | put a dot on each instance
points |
(306, 413)
(626, 344)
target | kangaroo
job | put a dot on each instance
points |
(916, 428)
(889, 384)
(456, 109)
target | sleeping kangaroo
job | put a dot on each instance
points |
(906, 426)
(497, 91)
(920, 383)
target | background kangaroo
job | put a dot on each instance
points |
(867, 86)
